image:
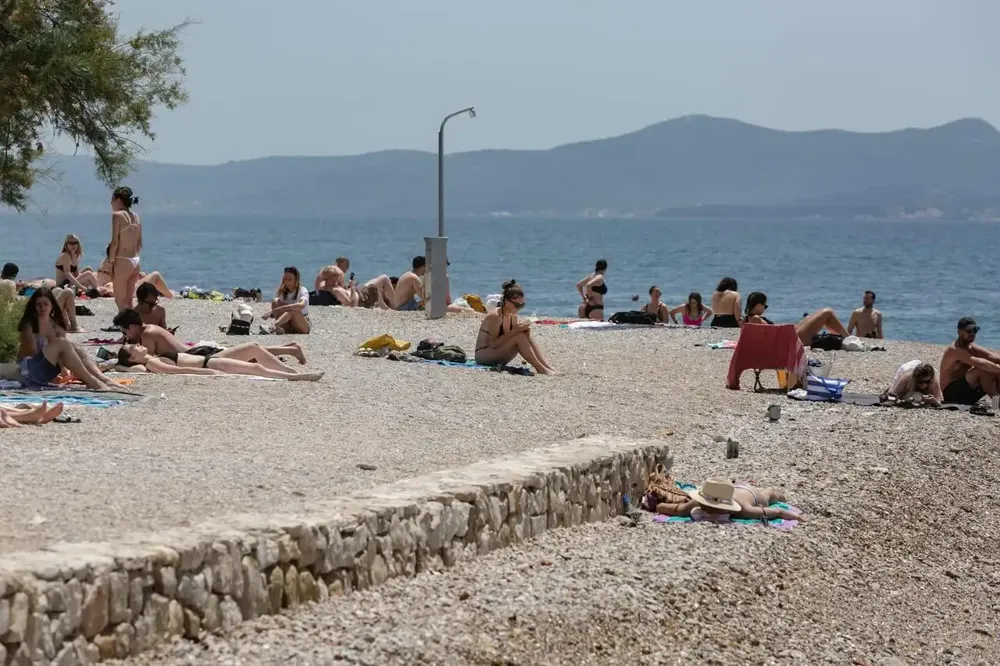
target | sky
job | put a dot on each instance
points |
(327, 77)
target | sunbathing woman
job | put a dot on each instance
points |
(693, 313)
(917, 382)
(45, 351)
(179, 363)
(717, 500)
(14, 417)
(290, 307)
(68, 264)
(126, 244)
(806, 329)
(656, 307)
(592, 289)
(101, 279)
(501, 337)
(726, 305)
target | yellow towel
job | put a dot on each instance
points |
(384, 340)
(475, 302)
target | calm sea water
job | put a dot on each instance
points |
(927, 274)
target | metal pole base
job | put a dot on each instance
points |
(436, 278)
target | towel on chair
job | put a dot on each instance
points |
(766, 347)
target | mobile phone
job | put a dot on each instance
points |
(352, 276)
(104, 354)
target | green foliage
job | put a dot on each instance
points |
(65, 71)
(11, 311)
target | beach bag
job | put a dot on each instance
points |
(633, 317)
(825, 389)
(241, 320)
(852, 343)
(827, 342)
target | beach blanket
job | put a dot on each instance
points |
(725, 344)
(511, 369)
(872, 400)
(76, 398)
(780, 524)
(95, 342)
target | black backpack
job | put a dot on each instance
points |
(827, 342)
(633, 317)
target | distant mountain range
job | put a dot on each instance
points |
(694, 166)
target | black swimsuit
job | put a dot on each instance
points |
(72, 271)
(601, 289)
(172, 356)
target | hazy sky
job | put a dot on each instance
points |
(326, 77)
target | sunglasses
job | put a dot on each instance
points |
(72, 242)
(971, 329)
(517, 305)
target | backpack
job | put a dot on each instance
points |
(827, 342)
(633, 317)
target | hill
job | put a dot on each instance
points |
(684, 164)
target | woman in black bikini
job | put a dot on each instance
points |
(179, 363)
(726, 305)
(655, 306)
(68, 263)
(592, 289)
(501, 337)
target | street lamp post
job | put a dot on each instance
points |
(436, 290)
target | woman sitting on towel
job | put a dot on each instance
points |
(917, 382)
(656, 307)
(693, 313)
(502, 337)
(717, 501)
(44, 350)
(806, 329)
(13, 417)
(290, 307)
(179, 363)
(726, 305)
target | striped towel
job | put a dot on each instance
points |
(825, 389)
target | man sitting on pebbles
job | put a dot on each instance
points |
(718, 500)
(161, 342)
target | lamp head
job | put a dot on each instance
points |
(472, 112)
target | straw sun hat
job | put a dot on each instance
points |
(716, 494)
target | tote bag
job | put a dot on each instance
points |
(825, 388)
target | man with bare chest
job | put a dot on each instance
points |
(866, 320)
(968, 371)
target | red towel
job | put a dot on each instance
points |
(766, 347)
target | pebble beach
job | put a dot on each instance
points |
(897, 562)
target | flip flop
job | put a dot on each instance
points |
(65, 418)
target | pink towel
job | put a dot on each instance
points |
(766, 347)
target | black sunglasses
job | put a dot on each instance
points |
(971, 329)
(517, 305)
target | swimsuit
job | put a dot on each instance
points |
(172, 356)
(725, 321)
(411, 305)
(688, 321)
(72, 271)
(960, 392)
(601, 289)
(658, 314)
(37, 369)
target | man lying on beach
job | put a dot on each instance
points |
(866, 320)
(158, 342)
(968, 371)
(409, 294)
(376, 293)
(147, 306)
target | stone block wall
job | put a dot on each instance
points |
(83, 603)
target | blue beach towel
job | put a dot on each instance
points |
(514, 370)
(74, 398)
(779, 524)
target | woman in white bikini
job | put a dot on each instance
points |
(126, 243)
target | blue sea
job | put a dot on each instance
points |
(927, 274)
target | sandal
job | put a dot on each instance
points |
(65, 418)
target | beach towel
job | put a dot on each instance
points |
(725, 344)
(95, 342)
(76, 398)
(779, 523)
(384, 342)
(872, 400)
(766, 347)
(511, 369)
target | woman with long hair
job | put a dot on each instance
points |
(126, 244)
(592, 290)
(918, 382)
(502, 337)
(693, 313)
(179, 363)
(68, 263)
(290, 307)
(727, 305)
(806, 329)
(44, 350)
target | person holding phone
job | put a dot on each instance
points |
(502, 337)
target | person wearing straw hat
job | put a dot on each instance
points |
(719, 499)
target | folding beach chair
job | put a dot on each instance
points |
(767, 347)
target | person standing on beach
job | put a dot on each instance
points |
(968, 372)
(409, 294)
(592, 290)
(727, 305)
(126, 243)
(866, 320)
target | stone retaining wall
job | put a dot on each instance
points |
(82, 603)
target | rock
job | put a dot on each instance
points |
(276, 590)
(366, 467)
(336, 589)
(292, 587)
(107, 646)
(55, 596)
(288, 550)
(17, 624)
(379, 571)
(4, 617)
(794, 655)
(881, 470)
(192, 624)
(118, 604)
(175, 618)
(95, 612)
(220, 563)
(229, 611)
(143, 638)
(124, 635)
(166, 581)
(136, 597)
(192, 591)
(954, 575)
(891, 661)
(66, 656)
(308, 590)
(267, 554)
(39, 636)
(212, 619)
(956, 449)
(158, 614)
(254, 601)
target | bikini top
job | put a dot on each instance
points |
(692, 321)
(72, 269)
(600, 289)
